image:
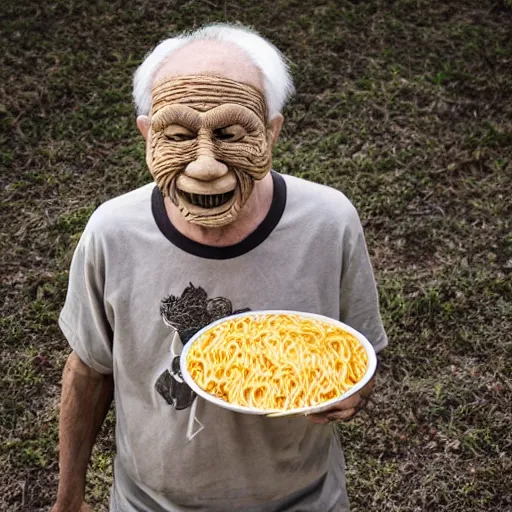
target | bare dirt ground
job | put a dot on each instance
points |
(405, 105)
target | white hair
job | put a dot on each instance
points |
(277, 81)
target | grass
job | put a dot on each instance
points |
(405, 105)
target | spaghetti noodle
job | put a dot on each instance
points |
(276, 361)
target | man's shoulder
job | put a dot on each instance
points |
(324, 200)
(132, 209)
(128, 203)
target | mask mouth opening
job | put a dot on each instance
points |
(207, 201)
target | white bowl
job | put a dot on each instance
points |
(372, 365)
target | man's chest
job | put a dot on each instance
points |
(190, 291)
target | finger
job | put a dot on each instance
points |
(362, 403)
(342, 415)
(356, 402)
(349, 403)
(318, 418)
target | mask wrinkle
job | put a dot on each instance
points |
(175, 114)
(204, 90)
(228, 115)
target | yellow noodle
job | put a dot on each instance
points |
(277, 361)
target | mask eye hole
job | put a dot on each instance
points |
(232, 133)
(177, 133)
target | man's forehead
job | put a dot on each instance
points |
(204, 93)
(211, 58)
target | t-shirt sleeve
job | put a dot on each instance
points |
(84, 317)
(359, 301)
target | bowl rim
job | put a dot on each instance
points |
(313, 409)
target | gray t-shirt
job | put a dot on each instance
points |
(139, 289)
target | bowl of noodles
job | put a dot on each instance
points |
(277, 363)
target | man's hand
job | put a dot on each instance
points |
(65, 508)
(346, 409)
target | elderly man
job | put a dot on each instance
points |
(217, 232)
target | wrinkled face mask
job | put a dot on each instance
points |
(209, 142)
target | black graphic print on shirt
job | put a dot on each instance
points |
(188, 314)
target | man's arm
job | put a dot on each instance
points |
(85, 400)
(359, 308)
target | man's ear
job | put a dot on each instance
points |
(275, 127)
(143, 126)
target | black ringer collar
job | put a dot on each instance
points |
(232, 251)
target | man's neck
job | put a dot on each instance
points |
(249, 218)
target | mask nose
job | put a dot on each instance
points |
(206, 168)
